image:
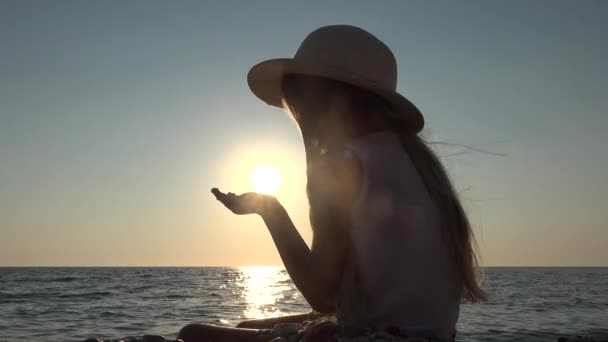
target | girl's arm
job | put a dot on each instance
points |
(316, 272)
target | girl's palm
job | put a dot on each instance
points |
(247, 203)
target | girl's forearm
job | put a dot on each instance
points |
(293, 251)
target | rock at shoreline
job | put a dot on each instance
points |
(154, 338)
(145, 338)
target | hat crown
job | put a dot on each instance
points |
(352, 50)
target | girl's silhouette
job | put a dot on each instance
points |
(393, 253)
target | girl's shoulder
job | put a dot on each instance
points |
(372, 146)
(343, 175)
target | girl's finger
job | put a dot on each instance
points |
(220, 196)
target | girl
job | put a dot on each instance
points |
(392, 254)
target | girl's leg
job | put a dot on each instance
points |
(205, 333)
(268, 323)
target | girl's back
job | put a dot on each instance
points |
(401, 261)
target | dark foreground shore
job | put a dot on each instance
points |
(158, 338)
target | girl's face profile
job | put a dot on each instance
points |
(310, 95)
(316, 103)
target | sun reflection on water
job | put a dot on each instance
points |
(264, 287)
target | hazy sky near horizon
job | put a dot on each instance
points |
(116, 118)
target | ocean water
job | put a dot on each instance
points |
(71, 304)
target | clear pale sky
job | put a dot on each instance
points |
(116, 118)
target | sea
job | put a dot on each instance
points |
(72, 304)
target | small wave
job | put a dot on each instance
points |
(174, 296)
(47, 280)
(113, 314)
(64, 279)
(94, 294)
(21, 297)
(140, 288)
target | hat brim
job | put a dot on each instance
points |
(264, 80)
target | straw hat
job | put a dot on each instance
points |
(343, 53)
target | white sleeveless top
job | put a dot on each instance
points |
(402, 261)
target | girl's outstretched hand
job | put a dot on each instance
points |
(247, 203)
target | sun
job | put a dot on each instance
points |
(265, 179)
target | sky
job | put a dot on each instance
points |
(117, 117)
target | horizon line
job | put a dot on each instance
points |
(241, 266)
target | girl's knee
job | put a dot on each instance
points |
(244, 324)
(191, 332)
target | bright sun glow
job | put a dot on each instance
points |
(266, 179)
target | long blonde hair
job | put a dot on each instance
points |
(457, 229)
